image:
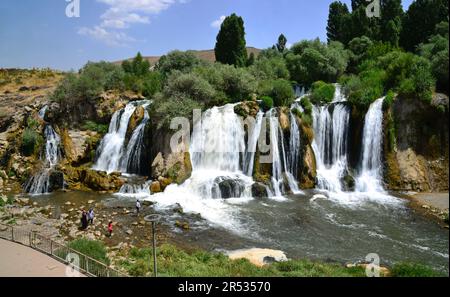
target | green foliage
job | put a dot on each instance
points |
(306, 116)
(231, 46)
(267, 103)
(138, 66)
(436, 50)
(358, 51)
(322, 92)
(231, 84)
(337, 18)
(365, 88)
(420, 21)
(176, 263)
(138, 77)
(32, 139)
(91, 248)
(388, 100)
(93, 126)
(281, 45)
(310, 61)
(177, 61)
(270, 68)
(414, 270)
(280, 90)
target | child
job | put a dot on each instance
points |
(91, 216)
(110, 228)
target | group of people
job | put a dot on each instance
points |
(87, 218)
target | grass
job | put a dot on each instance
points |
(91, 248)
(93, 126)
(173, 262)
(414, 270)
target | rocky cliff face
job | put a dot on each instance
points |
(416, 145)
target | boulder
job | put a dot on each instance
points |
(308, 172)
(259, 257)
(56, 180)
(246, 109)
(229, 188)
(348, 183)
(158, 166)
(259, 190)
(135, 120)
(155, 187)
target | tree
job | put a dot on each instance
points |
(358, 3)
(281, 45)
(337, 21)
(391, 21)
(177, 61)
(138, 66)
(420, 22)
(231, 46)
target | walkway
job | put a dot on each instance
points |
(20, 261)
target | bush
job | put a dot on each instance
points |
(177, 61)
(31, 141)
(189, 85)
(414, 270)
(91, 248)
(322, 92)
(388, 100)
(270, 68)
(267, 103)
(93, 126)
(280, 90)
(310, 61)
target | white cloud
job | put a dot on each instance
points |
(218, 23)
(111, 38)
(121, 15)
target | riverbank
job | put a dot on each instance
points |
(432, 205)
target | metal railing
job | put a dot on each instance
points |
(78, 261)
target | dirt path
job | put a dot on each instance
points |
(20, 261)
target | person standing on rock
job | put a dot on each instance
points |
(110, 228)
(84, 220)
(138, 206)
(91, 216)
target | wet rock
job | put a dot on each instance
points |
(259, 257)
(182, 225)
(246, 109)
(259, 190)
(135, 120)
(158, 165)
(155, 187)
(56, 180)
(129, 232)
(348, 183)
(229, 188)
(284, 121)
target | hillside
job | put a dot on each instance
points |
(207, 55)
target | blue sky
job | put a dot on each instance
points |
(39, 34)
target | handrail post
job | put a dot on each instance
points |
(12, 233)
(30, 239)
(51, 247)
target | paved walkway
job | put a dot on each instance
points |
(436, 200)
(20, 261)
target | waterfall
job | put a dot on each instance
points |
(294, 155)
(330, 124)
(277, 158)
(252, 145)
(114, 154)
(132, 159)
(370, 176)
(40, 182)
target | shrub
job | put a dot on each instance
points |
(280, 90)
(91, 248)
(93, 126)
(388, 100)
(177, 61)
(267, 103)
(31, 141)
(413, 270)
(322, 92)
(268, 69)
(310, 61)
(189, 85)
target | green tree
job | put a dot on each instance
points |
(337, 22)
(281, 45)
(391, 20)
(177, 61)
(231, 45)
(358, 3)
(420, 21)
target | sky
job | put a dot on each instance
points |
(40, 33)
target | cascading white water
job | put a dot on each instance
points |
(369, 179)
(112, 145)
(40, 182)
(294, 154)
(132, 158)
(277, 158)
(330, 124)
(252, 145)
(217, 152)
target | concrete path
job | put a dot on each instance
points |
(20, 261)
(435, 200)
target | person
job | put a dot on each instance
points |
(91, 216)
(110, 228)
(84, 220)
(138, 206)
